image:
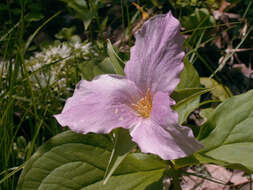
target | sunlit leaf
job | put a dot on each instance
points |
(122, 146)
(189, 101)
(76, 161)
(219, 91)
(115, 59)
(184, 93)
(228, 133)
(205, 113)
(189, 77)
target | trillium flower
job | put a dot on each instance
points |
(140, 100)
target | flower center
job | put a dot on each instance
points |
(144, 105)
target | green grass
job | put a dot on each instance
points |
(25, 112)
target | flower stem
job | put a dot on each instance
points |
(174, 175)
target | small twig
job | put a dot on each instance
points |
(197, 185)
(176, 182)
(241, 184)
(212, 179)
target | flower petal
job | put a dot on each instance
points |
(100, 105)
(156, 57)
(161, 112)
(161, 134)
(169, 145)
(164, 117)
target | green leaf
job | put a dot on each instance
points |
(106, 66)
(188, 86)
(104, 23)
(114, 59)
(77, 5)
(87, 20)
(228, 133)
(199, 18)
(75, 161)
(187, 101)
(204, 159)
(66, 33)
(205, 113)
(90, 69)
(81, 10)
(219, 91)
(189, 77)
(186, 161)
(122, 146)
(156, 4)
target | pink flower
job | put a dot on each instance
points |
(140, 101)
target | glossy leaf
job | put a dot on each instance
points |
(205, 113)
(187, 101)
(76, 161)
(188, 86)
(114, 59)
(189, 77)
(186, 161)
(228, 133)
(122, 146)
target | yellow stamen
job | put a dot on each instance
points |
(144, 105)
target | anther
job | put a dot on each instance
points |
(144, 105)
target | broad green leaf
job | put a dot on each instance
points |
(205, 113)
(122, 146)
(92, 68)
(89, 70)
(188, 86)
(182, 94)
(219, 91)
(204, 159)
(186, 161)
(114, 59)
(189, 77)
(75, 161)
(228, 133)
(106, 66)
(187, 101)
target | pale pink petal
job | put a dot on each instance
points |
(161, 134)
(161, 111)
(169, 145)
(101, 105)
(156, 57)
(167, 118)
(164, 117)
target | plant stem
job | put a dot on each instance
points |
(174, 174)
